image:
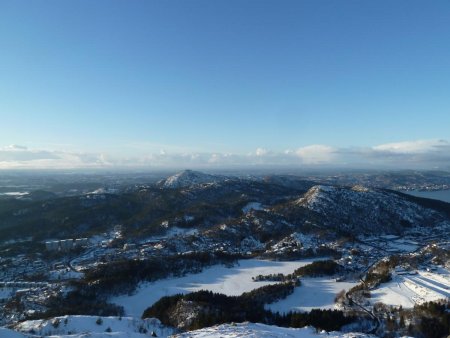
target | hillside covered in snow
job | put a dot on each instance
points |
(91, 326)
(189, 178)
(251, 330)
(360, 209)
(196, 250)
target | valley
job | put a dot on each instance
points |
(180, 248)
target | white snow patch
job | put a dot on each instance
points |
(170, 232)
(65, 274)
(314, 293)
(92, 326)
(407, 290)
(188, 218)
(252, 206)
(188, 178)
(251, 330)
(176, 231)
(14, 193)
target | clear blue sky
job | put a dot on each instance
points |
(131, 77)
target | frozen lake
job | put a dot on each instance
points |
(232, 281)
(314, 293)
(443, 195)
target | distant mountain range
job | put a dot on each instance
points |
(193, 199)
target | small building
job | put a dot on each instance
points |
(59, 265)
(80, 242)
(66, 244)
(129, 246)
(52, 245)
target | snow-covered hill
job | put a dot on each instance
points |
(87, 326)
(251, 330)
(360, 209)
(90, 326)
(187, 178)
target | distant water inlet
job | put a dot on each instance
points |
(442, 195)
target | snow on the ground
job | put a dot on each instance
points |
(407, 290)
(6, 293)
(92, 326)
(402, 246)
(313, 293)
(251, 330)
(7, 333)
(65, 274)
(173, 231)
(230, 281)
(176, 231)
(86, 326)
(252, 206)
(188, 178)
(14, 193)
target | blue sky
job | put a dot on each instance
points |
(134, 82)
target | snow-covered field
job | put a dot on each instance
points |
(90, 326)
(250, 330)
(314, 293)
(252, 206)
(407, 290)
(401, 245)
(65, 274)
(230, 281)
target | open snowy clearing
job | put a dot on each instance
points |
(250, 330)
(314, 293)
(232, 281)
(91, 326)
(107, 327)
(407, 290)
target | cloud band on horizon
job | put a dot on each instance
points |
(418, 154)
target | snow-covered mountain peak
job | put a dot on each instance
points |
(187, 178)
(323, 192)
(316, 194)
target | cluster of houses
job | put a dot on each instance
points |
(23, 284)
(66, 244)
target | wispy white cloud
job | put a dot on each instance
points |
(13, 147)
(261, 152)
(21, 157)
(316, 154)
(15, 152)
(401, 155)
(413, 147)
